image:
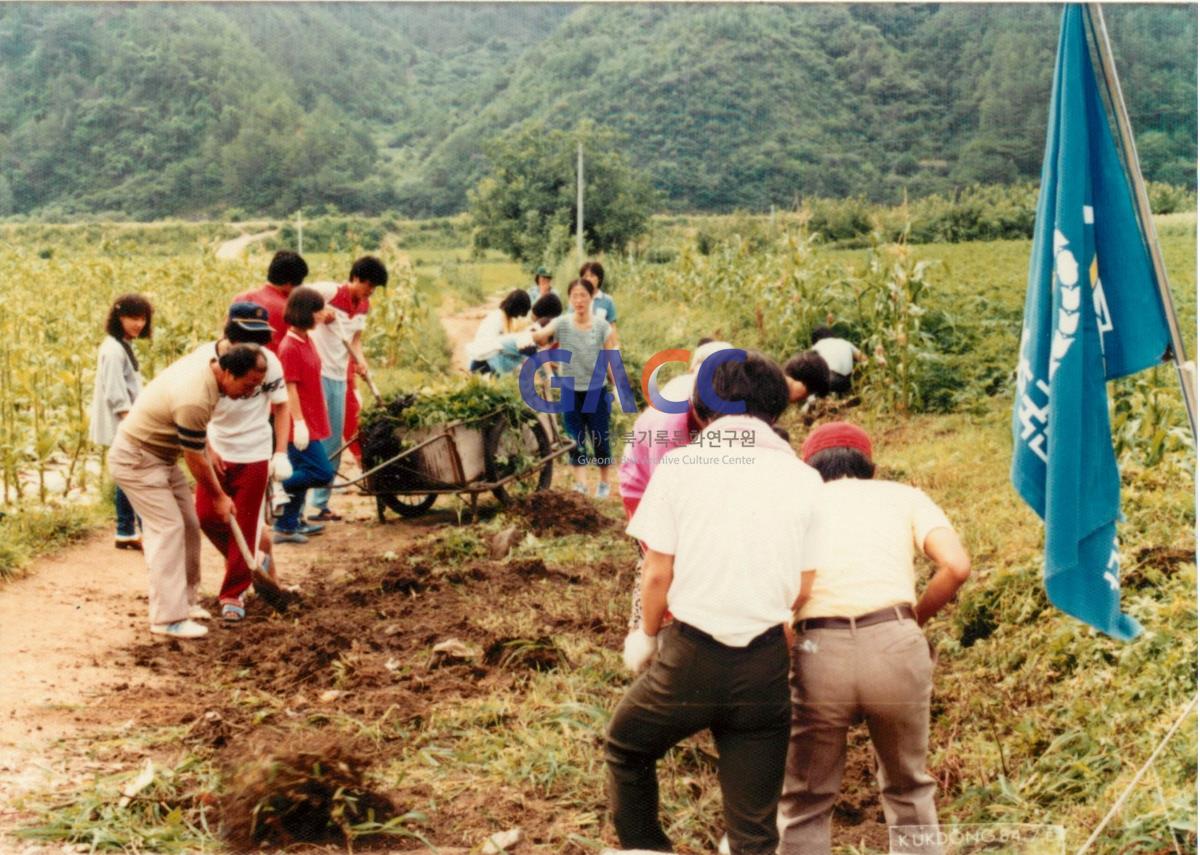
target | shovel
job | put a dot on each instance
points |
(370, 382)
(264, 585)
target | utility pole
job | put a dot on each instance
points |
(299, 233)
(579, 203)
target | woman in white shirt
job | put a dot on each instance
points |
(118, 382)
(496, 348)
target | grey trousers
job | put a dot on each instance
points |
(160, 494)
(883, 675)
(697, 683)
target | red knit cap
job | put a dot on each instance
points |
(836, 435)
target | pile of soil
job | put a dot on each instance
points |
(556, 513)
(310, 794)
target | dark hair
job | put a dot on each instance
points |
(516, 303)
(237, 334)
(369, 269)
(810, 369)
(704, 341)
(547, 306)
(757, 380)
(782, 433)
(241, 359)
(835, 463)
(593, 267)
(822, 332)
(582, 283)
(129, 306)
(287, 268)
(301, 307)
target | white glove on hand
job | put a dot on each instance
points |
(300, 434)
(281, 467)
(639, 649)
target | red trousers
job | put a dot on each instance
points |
(246, 484)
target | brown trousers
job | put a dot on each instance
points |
(882, 675)
(160, 494)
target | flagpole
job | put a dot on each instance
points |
(1185, 369)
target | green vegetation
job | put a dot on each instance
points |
(154, 110)
(526, 205)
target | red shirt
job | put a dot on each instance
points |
(269, 297)
(302, 366)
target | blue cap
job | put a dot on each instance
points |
(250, 317)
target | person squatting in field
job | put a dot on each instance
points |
(584, 335)
(859, 653)
(841, 357)
(310, 421)
(245, 451)
(727, 545)
(118, 382)
(338, 340)
(285, 274)
(172, 415)
(499, 347)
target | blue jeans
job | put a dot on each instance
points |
(126, 519)
(335, 404)
(310, 468)
(583, 427)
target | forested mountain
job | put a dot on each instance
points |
(149, 109)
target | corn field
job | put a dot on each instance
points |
(57, 303)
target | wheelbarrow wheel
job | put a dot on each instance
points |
(409, 504)
(509, 449)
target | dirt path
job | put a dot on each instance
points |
(66, 628)
(233, 249)
(460, 329)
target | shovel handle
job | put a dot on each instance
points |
(241, 543)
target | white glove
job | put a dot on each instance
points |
(280, 467)
(639, 649)
(299, 434)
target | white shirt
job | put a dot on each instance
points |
(878, 527)
(739, 521)
(331, 339)
(838, 354)
(493, 331)
(239, 430)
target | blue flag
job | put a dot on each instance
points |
(1092, 313)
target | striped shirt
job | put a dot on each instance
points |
(585, 347)
(172, 412)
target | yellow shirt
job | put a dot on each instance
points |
(874, 528)
(174, 410)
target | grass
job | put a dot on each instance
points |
(1036, 717)
(27, 533)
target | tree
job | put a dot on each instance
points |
(525, 204)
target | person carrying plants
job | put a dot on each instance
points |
(859, 653)
(587, 422)
(543, 281)
(730, 546)
(498, 348)
(118, 382)
(840, 355)
(285, 273)
(245, 449)
(338, 340)
(602, 304)
(310, 422)
(171, 416)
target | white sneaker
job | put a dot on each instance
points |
(602, 490)
(180, 629)
(580, 487)
(198, 612)
(723, 848)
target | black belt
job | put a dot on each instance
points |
(700, 635)
(869, 619)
